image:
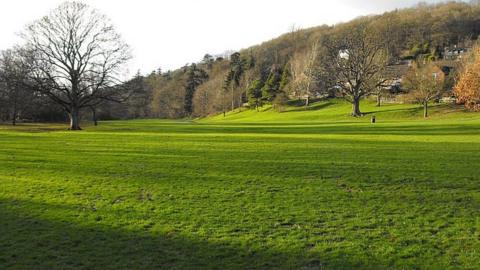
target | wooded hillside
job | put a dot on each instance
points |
(295, 65)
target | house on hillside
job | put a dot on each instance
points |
(455, 53)
(397, 72)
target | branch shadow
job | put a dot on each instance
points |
(313, 107)
(28, 241)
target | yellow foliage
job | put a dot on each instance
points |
(467, 89)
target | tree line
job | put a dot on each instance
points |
(73, 59)
(351, 60)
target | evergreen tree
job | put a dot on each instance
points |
(234, 76)
(285, 78)
(195, 77)
(271, 87)
(249, 61)
(254, 94)
(208, 61)
(139, 98)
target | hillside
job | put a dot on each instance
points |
(423, 31)
(337, 110)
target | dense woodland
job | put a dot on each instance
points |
(351, 60)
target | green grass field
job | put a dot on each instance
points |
(294, 190)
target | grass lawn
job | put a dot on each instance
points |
(300, 189)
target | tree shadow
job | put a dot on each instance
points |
(279, 128)
(29, 241)
(411, 111)
(313, 107)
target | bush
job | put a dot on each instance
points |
(280, 101)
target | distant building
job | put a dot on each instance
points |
(397, 72)
(454, 53)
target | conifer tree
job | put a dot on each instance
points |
(271, 87)
(285, 79)
(195, 77)
(254, 94)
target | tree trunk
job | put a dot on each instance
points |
(94, 116)
(240, 102)
(223, 103)
(307, 102)
(14, 115)
(425, 109)
(74, 115)
(356, 108)
(233, 99)
(379, 100)
(205, 104)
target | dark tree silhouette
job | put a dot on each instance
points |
(78, 58)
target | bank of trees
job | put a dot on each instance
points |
(348, 60)
(73, 58)
(16, 94)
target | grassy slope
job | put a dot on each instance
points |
(338, 111)
(295, 190)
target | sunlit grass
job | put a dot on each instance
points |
(292, 190)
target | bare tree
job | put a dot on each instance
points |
(14, 86)
(294, 36)
(354, 59)
(378, 85)
(425, 83)
(303, 69)
(78, 58)
(378, 92)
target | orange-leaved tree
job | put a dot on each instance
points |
(467, 89)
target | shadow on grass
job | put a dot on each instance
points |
(417, 111)
(301, 102)
(30, 242)
(277, 128)
(314, 107)
(410, 111)
(35, 127)
(350, 128)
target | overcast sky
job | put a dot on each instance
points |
(171, 33)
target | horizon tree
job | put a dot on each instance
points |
(304, 72)
(352, 61)
(140, 95)
(285, 77)
(234, 76)
(467, 89)
(378, 86)
(195, 77)
(14, 88)
(78, 58)
(425, 83)
(254, 94)
(271, 86)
